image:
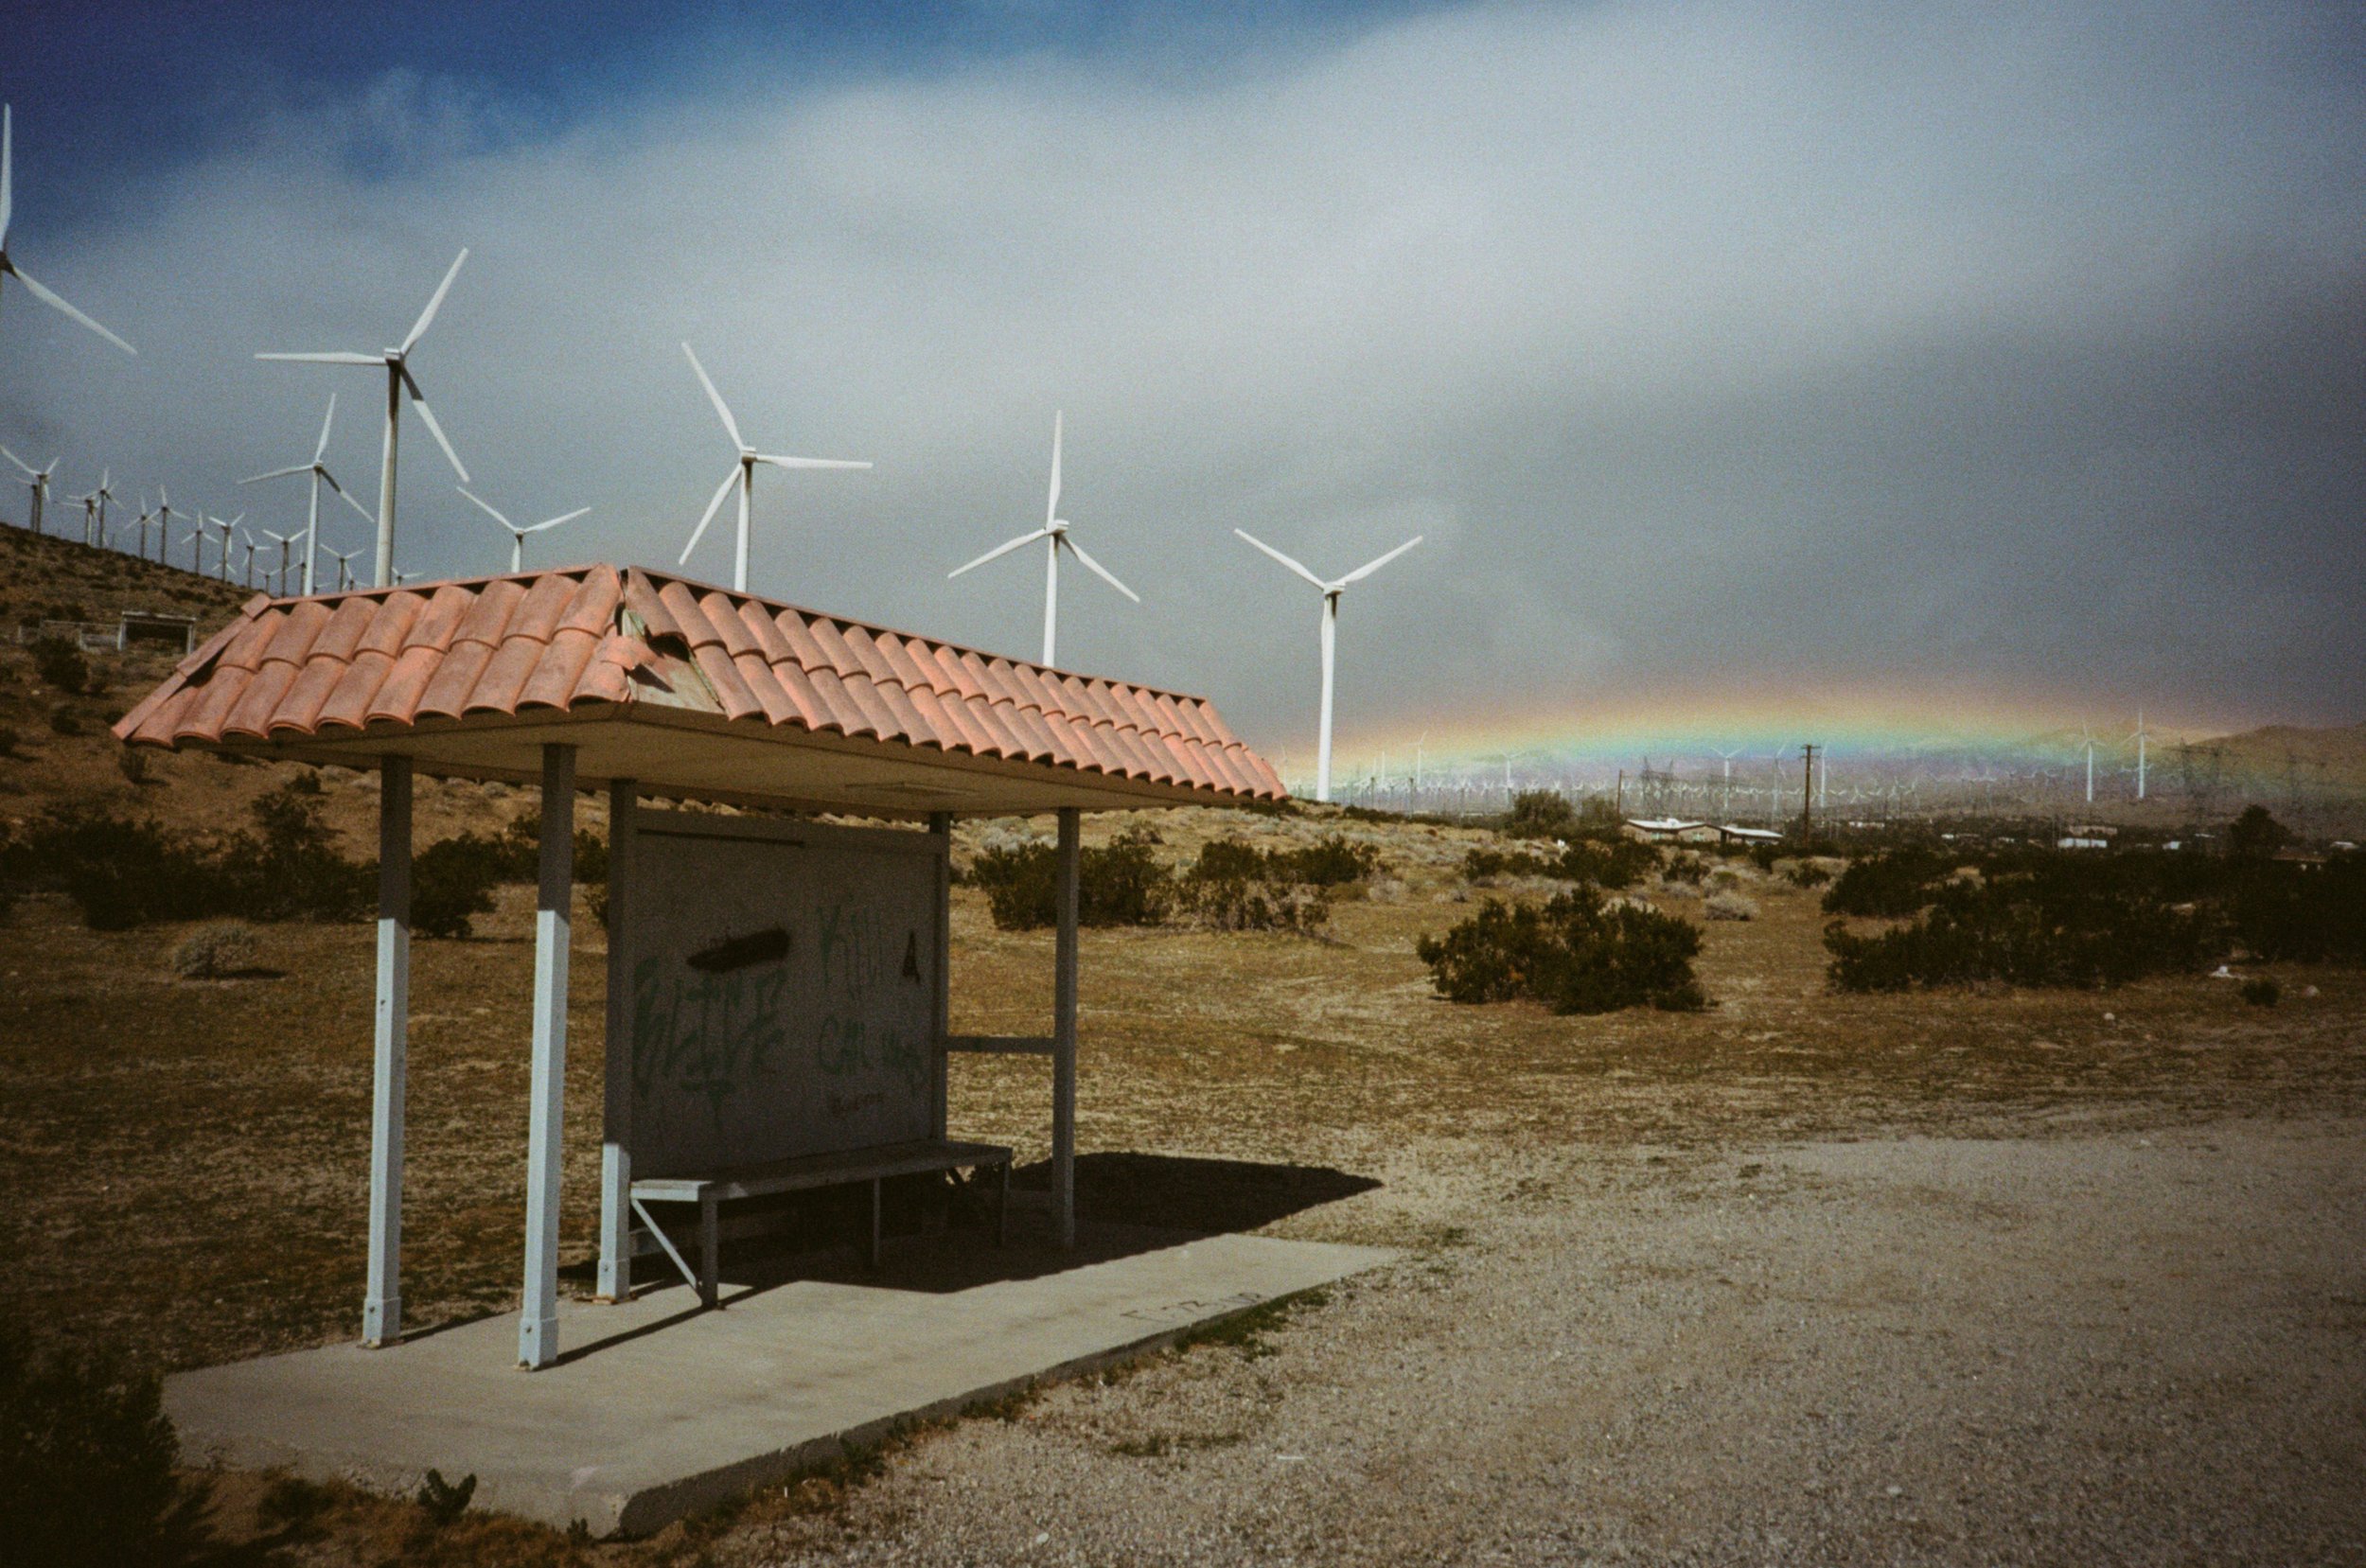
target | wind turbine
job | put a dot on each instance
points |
(227, 529)
(744, 475)
(91, 510)
(2140, 738)
(1331, 593)
(279, 589)
(319, 471)
(105, 493)
(1055, 532)
(1727, 758)
(164, 524)
(344, 567)
(2087, 738)
(8, 266)
(518, 534)
(38, 481)
(146, 517)
(398, 380)
(248, 539)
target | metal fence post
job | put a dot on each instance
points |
(538, 1322)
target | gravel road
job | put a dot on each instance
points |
(2086, 1347)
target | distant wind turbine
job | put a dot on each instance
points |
(164, 524)
(398, 380)
(344, 566)
(743, 474)
(1727, 758)
(2087, 739)
(318, 471)
(38, 481)
(518, 534)
(2139, 738)
(1331, 593)
(1054, 531)
(8, 265)
(286, 543)
(91, 507)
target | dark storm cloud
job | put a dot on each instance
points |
(2011, 344)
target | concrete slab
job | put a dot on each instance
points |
(656, 1409)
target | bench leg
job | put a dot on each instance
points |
(875, 1222)
(1002, 1207)
(710, 1252)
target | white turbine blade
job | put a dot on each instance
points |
(1097, 569)
(278, 473)
(426, 417)
(8, 160)
(1369, 566)
(1051, 507)
(487, 505)
(809, 462)
(331, 415)
(1283, 559)
(1001, 549)
(715, 397)
(30, 472)
(435, 304)
(334, 357)
(553, 522)
(50, 298)
(348, 497)
(720, 491)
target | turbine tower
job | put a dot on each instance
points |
(9, 268)
(1331, 593)
(38, 481)
(744, 475)
(318, 470)
(518, 534)
(2139, 738)
(396, 361)
(1054, 534)
(1726, 807)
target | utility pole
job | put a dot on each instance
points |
(1807, 789)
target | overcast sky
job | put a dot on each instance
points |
(2008, 356)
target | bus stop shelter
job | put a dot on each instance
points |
(661, 691)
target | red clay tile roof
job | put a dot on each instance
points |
(565, 640)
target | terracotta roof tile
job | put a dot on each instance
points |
(560, 639)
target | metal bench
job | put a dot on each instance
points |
(806, 1171)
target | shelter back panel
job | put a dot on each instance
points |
(783, 990)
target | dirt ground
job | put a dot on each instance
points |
(1998, 1277)
(1967, 1278)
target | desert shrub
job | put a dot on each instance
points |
(1807, 874)
(1329, 862)
(1541, 813)
(1728, 905)
(63, 720)
(293, 868)
(86, 1462)
(131, 762)
(1685, 867)
(120, 872)
(1121, 884)
(1574, 954)
(2309, 914)
(518, 851)
(215, 950)
(2262, 992)
(1617, 863)
(2256, 835)
(1890, 886)
(453, 882)
(61, 664)
(1244, 904)
(8, 737)
(2027, 932)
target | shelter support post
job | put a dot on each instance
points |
(1063, 1029)
(382, 1303)
(616, 1082)
(941, 828)
(537, 1323)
